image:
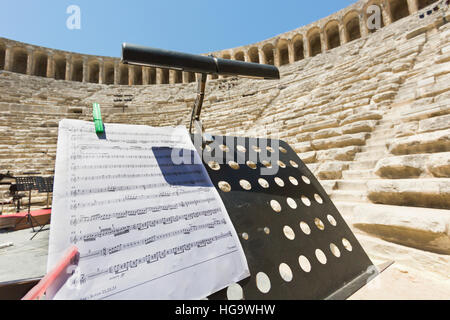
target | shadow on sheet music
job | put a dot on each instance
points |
(102, 136)
(181, 167)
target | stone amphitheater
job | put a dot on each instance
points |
(367, 110)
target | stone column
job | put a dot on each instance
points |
(323, 41)
(363, 25)
(30, 62)
(8, 58)
(413, 6)
(101, 71)
(159, 76)
(276, 57)
(172, 76)
(145, 76)
(385, 9)
(246, 56)
(185, 77)
(131, 75)
(291, 52)
(306, 46)
(50, 66)
(69, 67)
(116, 72)
(342, 35)
(262, 56)
(85, 69)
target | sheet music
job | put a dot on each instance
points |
(145, 227)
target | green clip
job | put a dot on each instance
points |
(97, 118)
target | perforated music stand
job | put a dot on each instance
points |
(283, 238)
(27, 184)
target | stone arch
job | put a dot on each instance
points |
(239, 56)
(191, 77)
(20, 59)
(315, 44)
(152, 76)
(367, 15)
(297, 41)
(352, 26)
(94, 72)
(398, 9)
(40, 64)
(178, 76)
(109, 73)
(164, 76)
(77, 70)
(268, 54)
(123, 75)
(283, 51)
(2, 56)
(333, 38)
(60, 67)
(253, 54)
(425, 3)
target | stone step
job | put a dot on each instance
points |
(370, 155)
(420, 228)
(349, 195)
(359, 185)
(362, 164)
(379, 147)
(359, 174)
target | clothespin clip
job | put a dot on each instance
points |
(56, 277)
(97, 118)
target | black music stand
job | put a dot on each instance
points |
(27, 184)
(45, 185)
(284, 220)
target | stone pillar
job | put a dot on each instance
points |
(50, 66)
(363, 25)
(386, 11)
(116, 72)
(131, 75)
(185, 77)
(101, 71)
(276, 57)
(145, 76)
(69, 67)
(323, 41)
(172, 76)
(262, 56)
(30, 62)
(306, 46)
(413, 6)
(85, 69)
(8, 58)
(246, 56)
(159, 76)
(291, 52)
(342, 35)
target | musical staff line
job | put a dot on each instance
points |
(155, 238)
(96, 203)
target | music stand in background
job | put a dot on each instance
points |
(45, 185)
(27, 184)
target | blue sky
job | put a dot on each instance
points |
(195, 26)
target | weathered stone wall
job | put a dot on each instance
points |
(349, 24)
(369, 117)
